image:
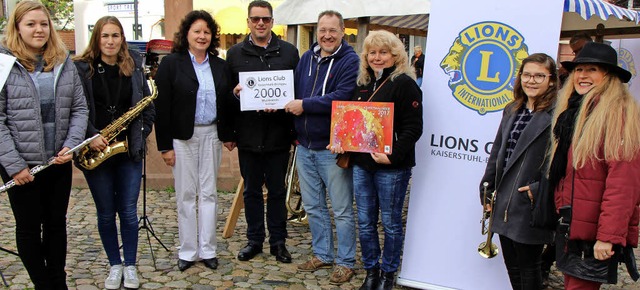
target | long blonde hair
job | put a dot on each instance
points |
(607, 125)
(388, 40)
(53, 52)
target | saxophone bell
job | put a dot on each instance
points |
(89, 159)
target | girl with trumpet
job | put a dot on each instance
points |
(515, 168)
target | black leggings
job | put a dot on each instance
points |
(40, 211)
(523, 264)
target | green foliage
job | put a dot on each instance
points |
(61, 12)
(3, 23)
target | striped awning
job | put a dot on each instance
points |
(418, 21)
(588, 8)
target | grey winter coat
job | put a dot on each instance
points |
(512, 209)
(21, 133)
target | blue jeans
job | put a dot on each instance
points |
(380, 191)
(115, 186)
(319, 174)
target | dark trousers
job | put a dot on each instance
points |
(523, 263)
(40, 211)
(270, 169)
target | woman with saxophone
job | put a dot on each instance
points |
(515, 168)
(113, 80)
(594, 169)
(43, 113)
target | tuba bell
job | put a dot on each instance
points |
(298, 215)
(487, 249)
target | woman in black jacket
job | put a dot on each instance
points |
(192, 81)
(515, 168)
(381, 179)
(113, 81)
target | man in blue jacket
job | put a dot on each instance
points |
(325, 73)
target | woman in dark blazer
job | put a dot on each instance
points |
(515, 168)
(191, 83)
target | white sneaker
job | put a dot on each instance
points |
(115, 277)
(131, 277)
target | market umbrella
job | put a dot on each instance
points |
(599, 18)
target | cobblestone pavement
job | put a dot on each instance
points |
(87, 263)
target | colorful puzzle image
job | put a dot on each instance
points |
(362, 126)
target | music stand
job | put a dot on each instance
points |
(144, 222)
(152, 52)
(4, 281)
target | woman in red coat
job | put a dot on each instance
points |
(595, 168)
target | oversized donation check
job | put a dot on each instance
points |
(266, 89)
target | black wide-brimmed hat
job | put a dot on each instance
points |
(601, 54)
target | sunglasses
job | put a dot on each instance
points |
(256, 19)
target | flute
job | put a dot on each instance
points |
(11, 183)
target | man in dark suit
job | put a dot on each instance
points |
(263, 138)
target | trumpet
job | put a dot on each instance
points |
(487, 249)
(298, 215)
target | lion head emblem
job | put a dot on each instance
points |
(482, 64)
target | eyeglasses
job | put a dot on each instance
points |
(537, 78)
(328, 31)
(256, 19)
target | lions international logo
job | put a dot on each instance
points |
(482, 65)
(625, 61)
(251, 82)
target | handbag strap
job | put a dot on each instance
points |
(374, 92)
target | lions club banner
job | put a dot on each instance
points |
(628, 54)
(474, 50)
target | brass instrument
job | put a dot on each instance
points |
(298, 215)
(90, 159)
(487, 249)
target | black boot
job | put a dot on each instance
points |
(386, 281)
(372, 281)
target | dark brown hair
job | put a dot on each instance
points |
(180, 42)
(547, 99)
(260, 3)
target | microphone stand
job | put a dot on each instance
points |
(144, 222)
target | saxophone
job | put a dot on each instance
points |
(89, 159)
